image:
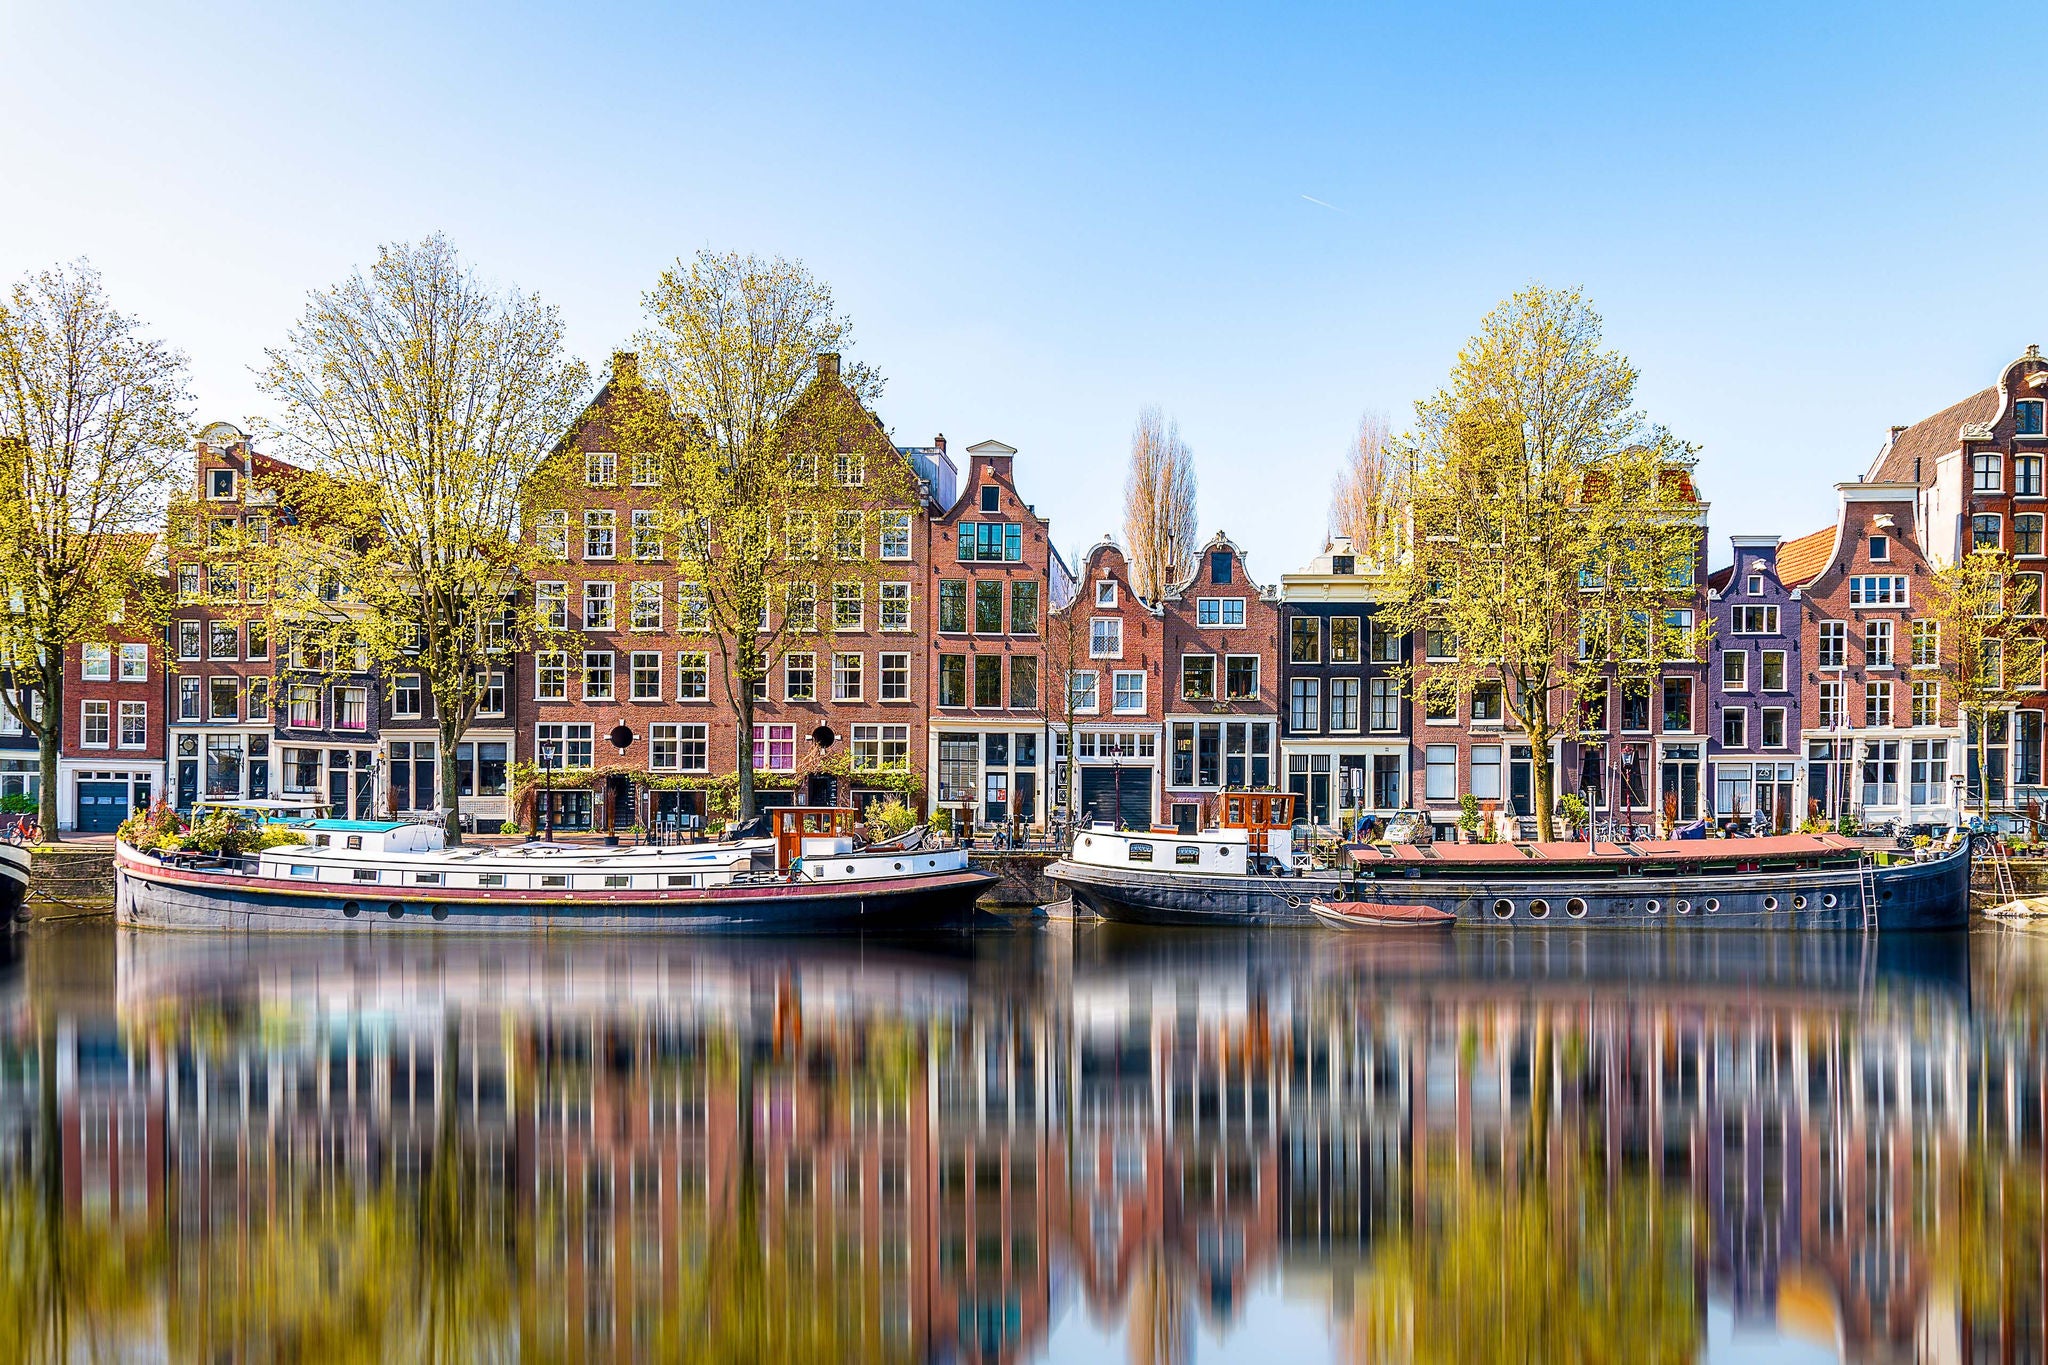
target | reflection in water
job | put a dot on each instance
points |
(1097, 1143)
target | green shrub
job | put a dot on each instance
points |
(510, 827)
(1468, 813)
(891, 817)
(18, 805)
(157, 830)
(1574, 807)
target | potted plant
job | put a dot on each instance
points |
(1468, 819)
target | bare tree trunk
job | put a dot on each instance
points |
(49, 741)
(451, 789)
(1542, 784)
(743, 702)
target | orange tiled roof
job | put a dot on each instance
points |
(1801, 560)
(1928, 438)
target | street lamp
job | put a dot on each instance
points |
(547, 773)
(1116, 790)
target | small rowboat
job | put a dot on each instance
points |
(1375, 915)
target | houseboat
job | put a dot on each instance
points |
(1248, 871)
(810, 874)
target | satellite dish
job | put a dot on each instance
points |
(823, 737)
(621, 736)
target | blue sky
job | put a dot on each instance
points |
(1803, 222)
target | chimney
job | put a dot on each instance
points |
(939, 441)
(626, 366)
(828, 365)
(1897, 427)
(1916, 469)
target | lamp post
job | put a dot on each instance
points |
(1116, 790)
(547, 775)
(1958, 781)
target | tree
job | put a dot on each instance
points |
(422, 403)
(1369, 490)
(92, 416)
(1159, 507)
(777, 483)
(1551, 530)
(1066, 653)
(1991, 657)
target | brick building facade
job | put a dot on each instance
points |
(1878, 731)
(1107, 648)
(1223, 674)
(111, 748)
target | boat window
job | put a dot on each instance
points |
(553, 879)
(1799, 902)
(302, 870)
(1236, 811)
(355, 841)
(1828, 901)
(1653, 907)
(685, 879)
(1187, 855)
(1503, 909)
(427, 878)
(365, 874)
(490, 879)
(1141, 853)
(1575, 907)
(322, 840)
(352, 908)
(617, 879)
(1770, 902)
(1713, 904)
(1683, 907)
(1539, 909)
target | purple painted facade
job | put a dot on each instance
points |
(1754, 688)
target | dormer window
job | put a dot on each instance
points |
(1105, 592)
(220, 485)
(1880, 549)
(991, 498)
(1755, 586)
(2026, 417)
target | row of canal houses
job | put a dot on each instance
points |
(990, 677)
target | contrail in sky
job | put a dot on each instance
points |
(1324, 202)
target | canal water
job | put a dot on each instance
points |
(1057, 1144)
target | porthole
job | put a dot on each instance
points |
(1770, 902)
(395, 910)
(351, 908)
(1799, 902)
(1575, 907)
(1539, 909)
(1682, 907)
(440, 910)
(849, 867)
(898, 866)
(1827, 902)
(1653, 907)
(1713, 904)
(1503, 909)
(1087, 842)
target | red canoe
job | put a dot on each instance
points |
(1371, 914)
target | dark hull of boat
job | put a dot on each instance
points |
(153, 896)
(1910, 897)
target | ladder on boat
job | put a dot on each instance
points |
(1868, 873)
(2001, 870)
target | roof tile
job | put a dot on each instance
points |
(1930, 437)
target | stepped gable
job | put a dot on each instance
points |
(1927, 439)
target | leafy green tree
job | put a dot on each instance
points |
(422, 405)
(774, 477)
(1552, 530)
(92, 417)
(1990, 646)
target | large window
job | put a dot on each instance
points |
(775, 748)
(988, 607)
(351, 708)
(1023, 607)
(1083, 691)
(800, 677)
(1105, 638)
(1877, 703)
(2026, 476)
(988, 680)
(645, 667)
(597, 675)
(1305, 705)
(993, 542)
(1926, 702)
(1755, 620)
(550, 675)
(1198, 677)
(895, 535)
(1877, 644)
(1879, 590)
(646, 536)
(678, 748)
(1344, 646)
(1344, 705)
(1241, 677)
(1771, 727)
(1219, 611)
(1386, 645)
(892, 602)
(412, 776)
(1986, 470)
(693, 675)
(1486, 772)
(223, 698)
(1386, 704)
(1129, 697)
(895, 671)
(600, 533)
(597, 605)
(96, 725)
(1929, 772)
(1984, 532)
(1222, 753)
(848, 607)
(1305, 640)
(953, 607)
(134, 724)
(1734, 728)
(847, 679)
(2026, 417)
(952, 680)
(646, 606)
(1830, 698)
(1440, 772)
(96, 663)
(1735, 671)
(1772, 670)
(565, 746)
(405, 696)
(135, 663)
(2026, 533)
(1834, 644)
(881, 747)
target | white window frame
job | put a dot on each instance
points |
(95, 713)
(600, 605)
(607, 670)
(139, 710)
(1106, 636)
(637, 666)
(1084, 692)
(134, 662)
(849, 676)
(1118, 679)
